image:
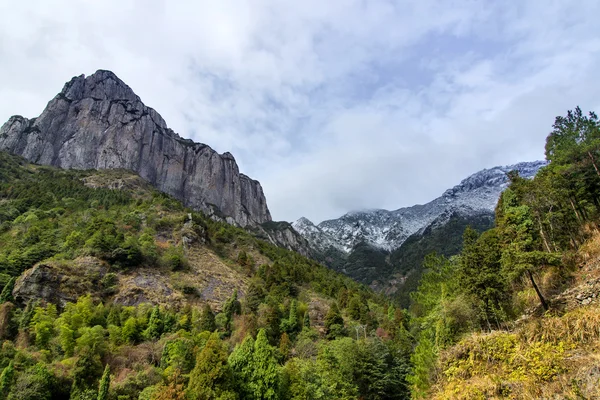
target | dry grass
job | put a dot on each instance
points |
(547, 357)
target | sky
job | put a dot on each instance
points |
(334, 105)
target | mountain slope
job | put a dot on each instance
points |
(99, 271)
(98, 122)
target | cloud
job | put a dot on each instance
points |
(334, 105)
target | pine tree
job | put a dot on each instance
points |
(6, 379)
(104, 384)
(285, 345)
(265, 371)
(306, 321)
(6, 294)
(334, 323)
(293, 323)
(155, 325)
(241, 362)
(207, 319)
(212, 376)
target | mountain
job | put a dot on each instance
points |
(387, 230)
(99, 271)
(98, 122)
(385, 249)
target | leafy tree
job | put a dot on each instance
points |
(285, 345)
(232, 307)
(306, 320)
(35, 383)
(291, 324)
(480, 274)
(521, 254)
(86, 373)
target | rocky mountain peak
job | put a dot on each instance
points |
(101, 85)
(387, 230)
(98, 122)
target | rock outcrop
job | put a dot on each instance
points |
(98, 122)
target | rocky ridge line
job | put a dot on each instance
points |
(98, 122)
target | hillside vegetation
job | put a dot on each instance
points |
(112, 290)
(515, 315)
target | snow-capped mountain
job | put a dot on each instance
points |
(387, 230)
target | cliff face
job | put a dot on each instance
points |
(98, 122)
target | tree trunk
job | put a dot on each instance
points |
(575, 210)
(543, 235)
(593, 162)
(537, 290)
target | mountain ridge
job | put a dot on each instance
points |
(387, 230)
(98, 122)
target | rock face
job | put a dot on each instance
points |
(98, 122)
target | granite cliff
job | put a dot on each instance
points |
(98, 122)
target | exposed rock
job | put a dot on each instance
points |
(59, 283)
(98, 122)
(282, 234)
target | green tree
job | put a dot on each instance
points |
(6, 379)
(207, 319)
(212, 376)
(232, 307)
(155, 325)
(241, 362)
(104, 384)
(35, 383)
(6, 294)
(131, 330)
(306, 320)
(334, 323)
(265, 371)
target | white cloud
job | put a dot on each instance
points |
(332, 105)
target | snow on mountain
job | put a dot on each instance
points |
(387, 230)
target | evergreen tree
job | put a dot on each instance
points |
(207, 319)
(334, 323)
(212, 376)
(104, 384)
(6, 379)
(306, 320)
(265, 372)
(155, 325)
(6, 294)
(232, 307)
(285, 345)
(242, 364)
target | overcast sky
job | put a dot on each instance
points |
(332, 105)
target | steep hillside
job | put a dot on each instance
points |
(99, 272)
(515, 314)
(98, 122)
(554, 355)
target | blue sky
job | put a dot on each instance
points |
(333, 105)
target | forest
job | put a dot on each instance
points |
(261, 342)
(289, 328)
